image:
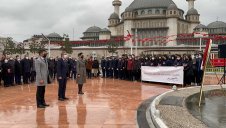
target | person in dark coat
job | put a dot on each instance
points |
(1, 62)
(89, 64)
(62, 70)
(18, 71)
(178, 61)
(95, 67)
(120, 68)
(188, 70)
(26, 68)
(33, 73)
(55, 67)
(199, 71)
(136, 69)
(153, 61)
(74, 70)
(103, 67)
(124, 68)
(111, 67)
(170, 61)
(130, 68)
(51, 67)
(70, 63)
(107, 66)
(6, 73)
(115, 71)
(160, 61)
(81, 73)
(12, 74)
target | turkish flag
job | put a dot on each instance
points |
(206, 53)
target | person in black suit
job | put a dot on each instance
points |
(62, 70)
(26, 68)
(18, 70)
(6, 72)
(103, 66)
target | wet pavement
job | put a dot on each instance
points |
(107, 103)
(213, 111)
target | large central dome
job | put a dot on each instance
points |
(142, 4)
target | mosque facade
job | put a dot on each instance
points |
(154, 26)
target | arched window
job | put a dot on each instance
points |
(149, 11)
(136, 13)
(164, 11)
(142, 12)
(157, 11)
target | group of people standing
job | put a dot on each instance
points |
(129, 67)
(62, 69)
(12, 71)
(43, 70)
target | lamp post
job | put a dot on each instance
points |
(48, 43)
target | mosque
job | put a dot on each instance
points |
(154, 26)
(148, 19)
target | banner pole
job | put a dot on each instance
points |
(205, 60)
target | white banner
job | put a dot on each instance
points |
(172, 75)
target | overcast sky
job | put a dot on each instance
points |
(21, 19)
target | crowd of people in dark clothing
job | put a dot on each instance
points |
(16, 71)
(129, 67)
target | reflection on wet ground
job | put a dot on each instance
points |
(107, 103)
(213, 112)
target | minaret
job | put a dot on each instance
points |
(117, 4)
(191, 4)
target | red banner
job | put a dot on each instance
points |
(218, 62)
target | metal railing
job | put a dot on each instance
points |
(218, 70)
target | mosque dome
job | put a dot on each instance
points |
(105, 30)
(192, 11)
(114, 16)
(93, 29)
(143, 4)
(217, 24)
(172, 7)
(200, 26)
(54, 35)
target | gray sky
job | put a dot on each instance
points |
(21, 19)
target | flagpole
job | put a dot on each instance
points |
(136, 40)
